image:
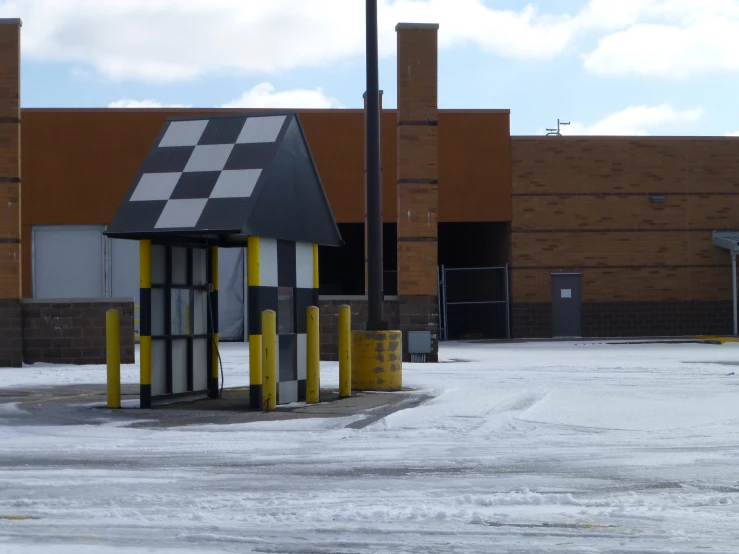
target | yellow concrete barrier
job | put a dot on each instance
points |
(269, 360)
(377, 362)
(313, 385)
(113, 356)
(345, 352)
(716, 338)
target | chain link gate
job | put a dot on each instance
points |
(474, 303)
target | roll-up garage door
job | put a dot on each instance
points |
(68, 261)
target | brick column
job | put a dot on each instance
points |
(364, 96)
(11, 322)
(417, 180)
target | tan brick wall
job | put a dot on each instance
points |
(418, 149)
(418, 170)
(420, 217)
(595, 164)
(417, 73)
(417, 265)
(651, 284)
(584, 202)
(10, 188)
(564, 250)
(679, 211)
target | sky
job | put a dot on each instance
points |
(606, 67)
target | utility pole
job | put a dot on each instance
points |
(556, 132)
(375, 293)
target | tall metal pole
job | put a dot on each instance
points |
(375, 296)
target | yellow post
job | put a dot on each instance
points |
(313, 385)
(269, 359)
(113, 356)
(214, 358)
(255, 336)
(345, 355)
(145, 325)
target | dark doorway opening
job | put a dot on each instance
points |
(390, 258)
(341, 269)
(473, 259)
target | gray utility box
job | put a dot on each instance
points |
(420, 345)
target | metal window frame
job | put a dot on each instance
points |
(168, 337)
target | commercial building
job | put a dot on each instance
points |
(485, 235)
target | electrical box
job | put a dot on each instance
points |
(420, 345)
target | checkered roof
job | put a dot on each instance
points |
(205, 175)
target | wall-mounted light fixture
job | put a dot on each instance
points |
(657, 198)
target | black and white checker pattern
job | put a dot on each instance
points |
(202, 173)
(286, 273)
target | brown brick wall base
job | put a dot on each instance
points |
(630, 319)
(11, 333)
(73, 331)
(419, 313)
(531, 320)
(330, 322)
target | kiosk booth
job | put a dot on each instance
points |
(238, 180)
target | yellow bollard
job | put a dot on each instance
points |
(145, 327)
(345, 354)
(113, 356)
(313, 385)
(269, 359)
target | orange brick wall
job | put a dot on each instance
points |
(474, 165)
(582, 204)
(10, 187)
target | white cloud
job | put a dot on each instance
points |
(263, 95)
(610, 15)
(664, 38)
(176, 40)
(128, 103)
(707, 44)
(636, 121)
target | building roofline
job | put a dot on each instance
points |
(595, 138)
(195, 110)
(422, 26)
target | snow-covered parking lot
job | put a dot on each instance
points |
(527, 447)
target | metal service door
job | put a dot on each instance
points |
(566, 305)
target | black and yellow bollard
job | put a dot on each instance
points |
(254, 323)
(113, 356)
(345, 356)
(313, 364)
(213, 389)
(269, 360)
(145, 323)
